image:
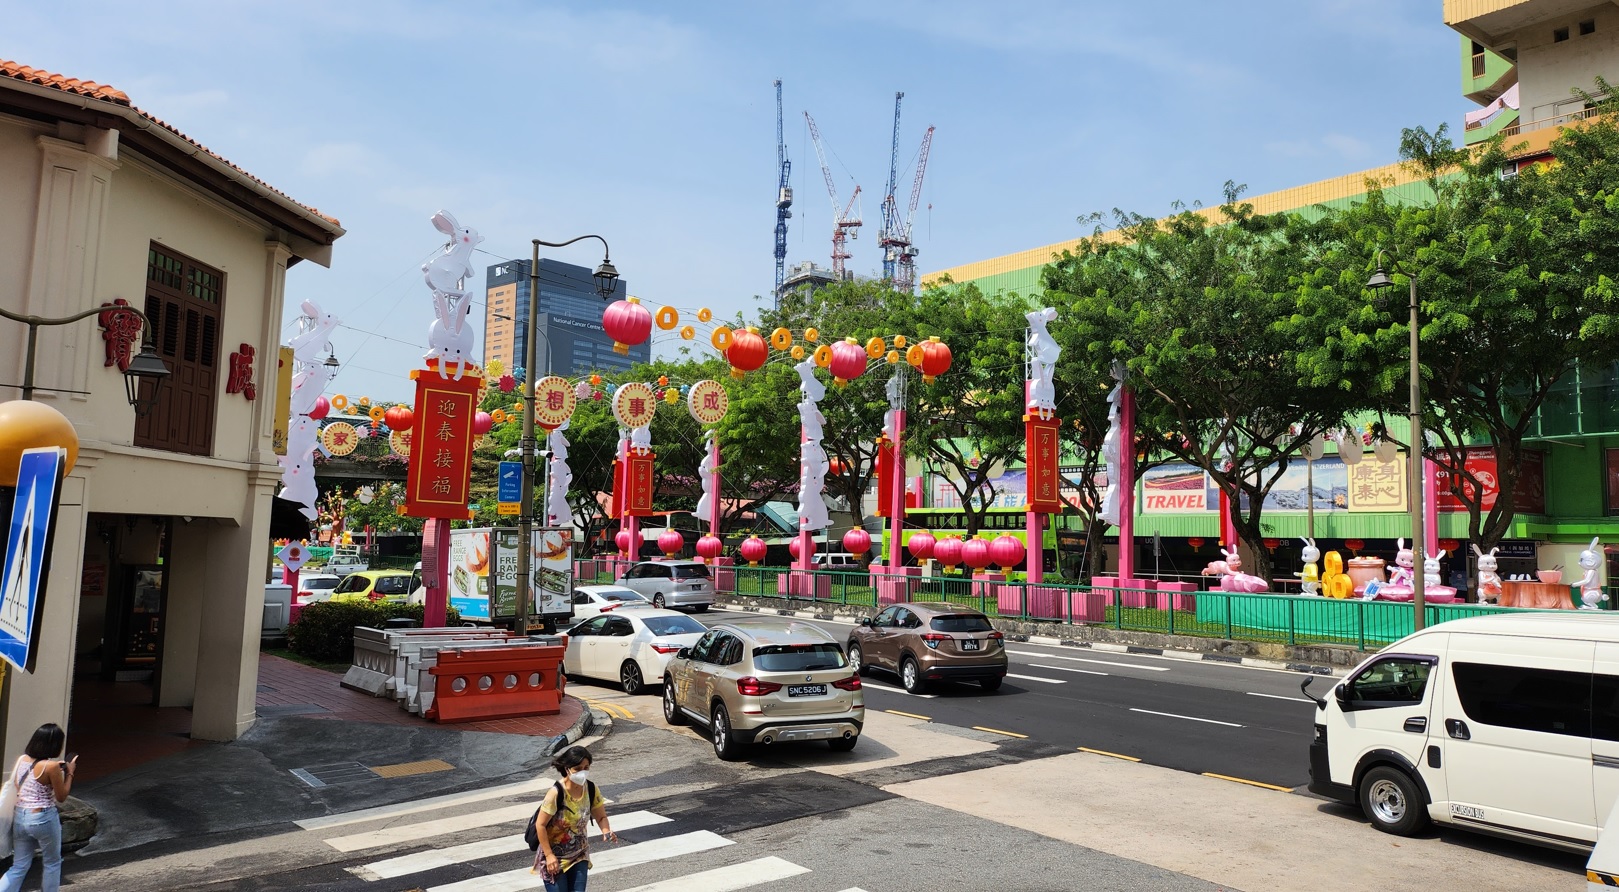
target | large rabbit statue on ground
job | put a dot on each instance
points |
(1311, 575)
(1489, 581)
(1432, 587)
(1232, 579)
(450, 339)
(1404, 573)
(1591, 594)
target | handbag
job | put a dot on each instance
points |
(8, 810)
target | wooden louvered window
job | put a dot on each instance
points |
(184, 300)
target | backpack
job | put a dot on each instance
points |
(531, 833)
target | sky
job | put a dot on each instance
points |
(653, 124)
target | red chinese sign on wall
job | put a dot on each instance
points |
(1042, 454)
(1530, 497)
(885, 471)
(241, 373)
(638, 484)
(119, 329)
(440, 471)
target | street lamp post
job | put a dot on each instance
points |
(1378, 282)
(605, 277)
(146, 365)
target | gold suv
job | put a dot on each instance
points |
(765, 681)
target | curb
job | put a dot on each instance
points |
(590, 722)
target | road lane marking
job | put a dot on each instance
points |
(421, 805)
(604, 860)
(725, 879)
(1086, 749)
(999, 731)
(1025, 653)
(1251, 783)
(1190, 718)
(404, 865)
(1068, 669)
(612, 709)
(1037, 678)
(1280, 697)
(883, 687)
(430, 829)
(910, 715)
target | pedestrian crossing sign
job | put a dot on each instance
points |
(27, 556)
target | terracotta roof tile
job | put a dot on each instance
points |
(106, 93)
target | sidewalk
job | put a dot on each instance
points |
(317, 749)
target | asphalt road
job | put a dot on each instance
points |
(1205, 717)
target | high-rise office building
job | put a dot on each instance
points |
(570, 320)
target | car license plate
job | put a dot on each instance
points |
(969, 644)
(806, 690)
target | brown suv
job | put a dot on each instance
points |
(928, 642)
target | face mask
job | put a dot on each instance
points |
(581, 777)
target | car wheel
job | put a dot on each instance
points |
(701, 608)
(842, 744)
(911, 675)
(719, 731)
(657, 600)
(990, 684)
(671, 710)
(1392, 801)
(855, 658)
(629, 678)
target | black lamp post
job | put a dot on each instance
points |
(1380, 281)
(144, 366)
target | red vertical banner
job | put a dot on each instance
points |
(639, 484)
(439, 478)
(1043, 453)
(615, 505)
(885, 467)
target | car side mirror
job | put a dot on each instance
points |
(865, 621)
(1341, 694)
(683, 654)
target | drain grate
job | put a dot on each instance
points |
(333, 774)
(407, 769)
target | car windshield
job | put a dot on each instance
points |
(798, 657)
(321, 584)
(393, 585)
(691, 571)
(674, 625)
(961, 622)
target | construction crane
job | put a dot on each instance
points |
(844, 227)
(899, 255)
(905, 275)
(784, 198)
(890, 230)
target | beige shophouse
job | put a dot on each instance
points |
(156, 584)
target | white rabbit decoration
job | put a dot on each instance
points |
(641, 439)
(1043, 353)
(1311, 575)
(1430, 571)
(450, 339)
(559, 479)
(1350, 446)
(1489, 581)
(448, 271)
(1591, 594)
(1112, 453)
(708, 474)
(309, 378)
(812, 462)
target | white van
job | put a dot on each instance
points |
(1503, 724)
(835, 560)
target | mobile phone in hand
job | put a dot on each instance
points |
(70, 757)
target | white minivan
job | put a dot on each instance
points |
(1504, 724)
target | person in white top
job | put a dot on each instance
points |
(43, 779)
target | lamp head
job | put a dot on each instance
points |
(1379, 280)
(145, 366)
(605, 277)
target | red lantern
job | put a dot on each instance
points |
(627, 323)
(792, 547)
(1196, 542)
(322, 406)
(482, 422)
(947, 551)
(1449, 546)
(1272, 543)
(835, 465)
(856, 541)
(626, 546)
(975, 553)
(709, 547)
(935, 359)
(746, 352)
(848, 361)
(399, 418)
(1354, 545)
(670, 542)
(1006, 552)
(920, 545)
(753, 550)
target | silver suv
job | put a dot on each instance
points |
(671, 583)
(765, 681)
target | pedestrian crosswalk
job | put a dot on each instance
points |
(692, 858)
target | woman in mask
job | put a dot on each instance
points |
(563, 859)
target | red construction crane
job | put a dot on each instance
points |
(844, 227)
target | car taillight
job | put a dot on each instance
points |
(852, 683)
(996, 636)
(665, 648)
(753, 687)
(932, 639)
(608, 608)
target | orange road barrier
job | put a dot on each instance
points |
(496, 683)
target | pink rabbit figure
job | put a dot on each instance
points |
(1223, 568)
(1404, 573)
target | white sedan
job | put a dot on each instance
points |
(594, 600)
(629, 645)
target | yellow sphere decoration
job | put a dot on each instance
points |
(25, 424)
(721, 339)
(687, 332)
(781, 339)
(899, 342)
(914, 356)
(498, 416)
(667, 318)
(340, 402)
(798, 351)
(364, 401)
(893, 357)
(812, 335)
(377, 413)
(874, 347)
(823, 356)
(705, 314)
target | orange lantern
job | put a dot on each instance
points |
(746, 352)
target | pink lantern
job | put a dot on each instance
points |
(670, 542)
(322, 406)
(1006, 551)
(920, 545)
(792, 547)
(848, 361)
(975, 553)
(856, 541)
(627, 323)
(622, 540)
(710, 547)
(947, 551)
(753, 550)
(482, 422)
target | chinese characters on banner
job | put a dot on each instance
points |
(1043, 454)
(885, 467)
(440, 470)
(1376, 485)
(241, 373)
(639, 483)
(1530, 497)
(554, 402)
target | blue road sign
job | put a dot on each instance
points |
(511, 481)
(28, 553)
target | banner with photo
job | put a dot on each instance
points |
(1177, 489)
(1331, 491)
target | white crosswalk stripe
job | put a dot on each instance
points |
(405, 865)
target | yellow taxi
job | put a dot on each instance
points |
(373, 585)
